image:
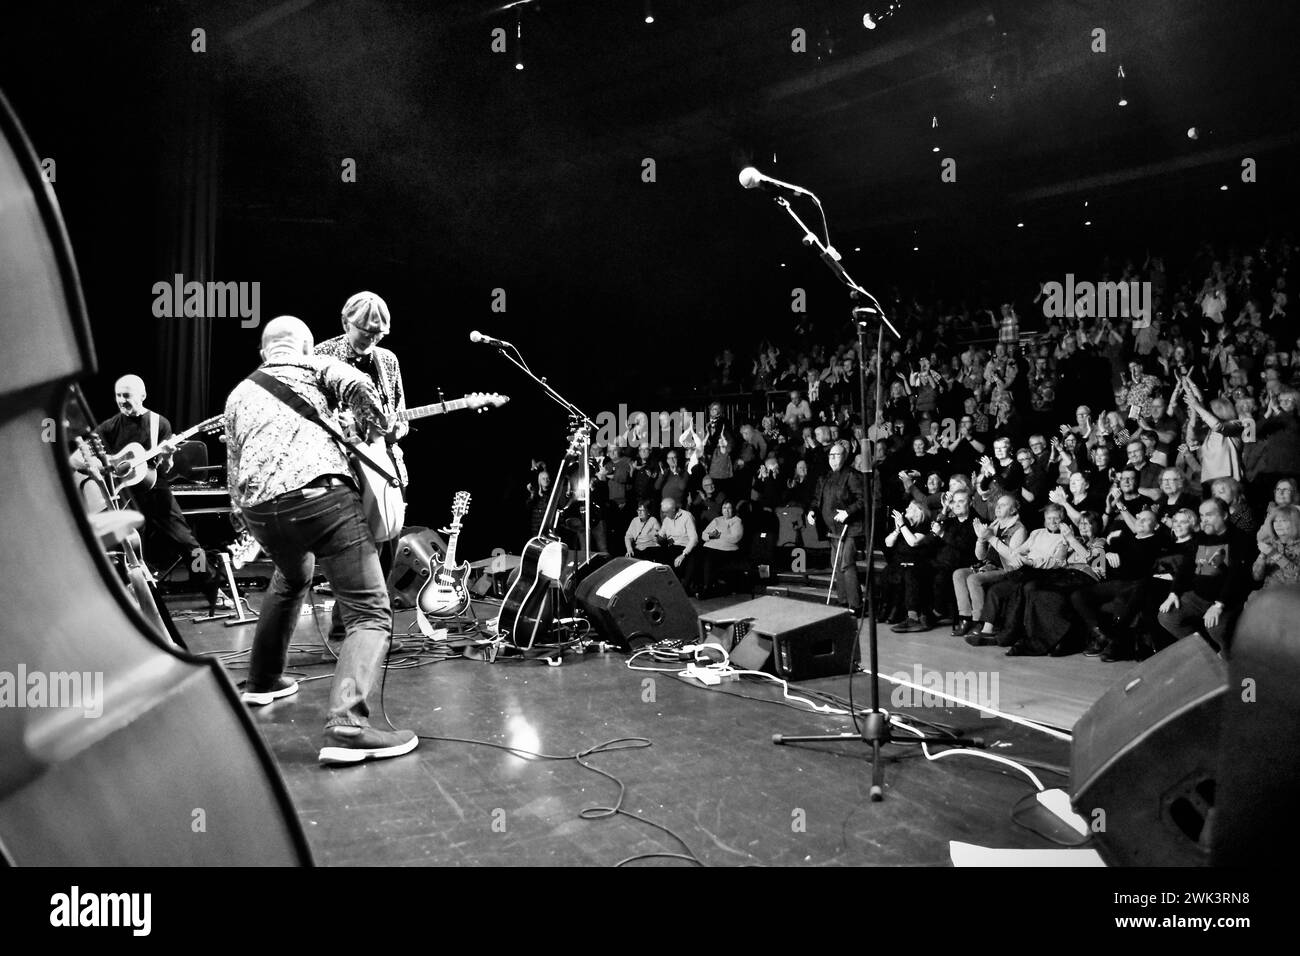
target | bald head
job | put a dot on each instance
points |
(286, 335)
(130, 394)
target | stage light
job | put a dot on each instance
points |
(867, 22)
(1123, 101)
(1193, 132)
(1020, 225)
(916, 248)
(783, 265)
(1223, 188)
(1087, 222)
(649, 14)
(857, 248)
(935, 150)
(649, 18)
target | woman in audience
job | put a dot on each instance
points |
(1278, 563)
(720, 551)
(643, 532)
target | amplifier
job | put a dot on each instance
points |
(795, 640)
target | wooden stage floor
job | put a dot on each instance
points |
(711, 772)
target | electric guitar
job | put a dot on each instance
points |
(384, 501)
(445, 593)
(529, 605)
(132, 465)
(243, 549)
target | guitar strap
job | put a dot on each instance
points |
(154, 425)
(308, 411)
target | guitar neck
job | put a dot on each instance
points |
(450, 559)
(437, 408)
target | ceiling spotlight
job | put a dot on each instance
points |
(1193, 133)
(1020, 225)
(857, 248)
(649, 18)
(935, 150)
(519, 64)
(783, 265)
(1123, 101)
(867, 22)
(1223, 188)
(649, 13)
(1087, 222)
(916, 248)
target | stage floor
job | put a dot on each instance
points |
(711, 773)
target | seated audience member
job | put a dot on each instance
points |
(954, 535)
(993, 547)
(1229, 491)
(677, 538)
(1278, 563)
(720, 549)
(1045, 549)
(1148, 472)
(707, 503)
(1081, 497)
(1174, 496)
(1209, 591)
(1286, 493)
(798, 410)
(909, 548)
(1129, 561)
(1041, 624)
(1124, 502)
(642, 535)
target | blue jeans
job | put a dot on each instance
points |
(296, 531)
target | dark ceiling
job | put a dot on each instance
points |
(473, 175)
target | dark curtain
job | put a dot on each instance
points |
(188, 243)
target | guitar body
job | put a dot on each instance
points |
(131, 467)
(384, 504)
(446, 592)
(529, 608)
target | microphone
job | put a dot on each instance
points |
(479, 338)
(751, 178)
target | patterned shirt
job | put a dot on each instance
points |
(381, 366)
(271, 449)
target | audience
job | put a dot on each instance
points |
(1109, 488)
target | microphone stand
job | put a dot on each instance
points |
(876, 730)
(577, 417)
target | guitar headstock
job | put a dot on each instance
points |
(96, 443)
(481, 401)
(214, 424)
(460, 505)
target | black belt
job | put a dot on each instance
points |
(314, 488)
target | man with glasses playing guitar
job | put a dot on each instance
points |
(366, 321)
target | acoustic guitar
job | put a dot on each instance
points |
(133, 463)
(445, 593)
(529, 606)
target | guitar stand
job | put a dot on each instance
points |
(241, 616)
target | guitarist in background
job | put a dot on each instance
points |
(163, 518)
(292, 483)
(366, 321)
